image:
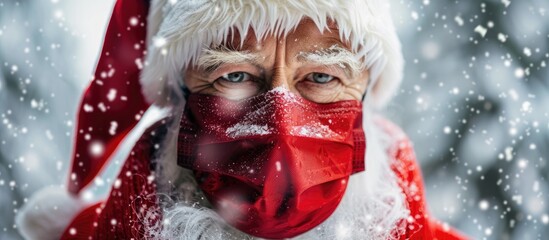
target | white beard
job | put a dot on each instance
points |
(373, 206)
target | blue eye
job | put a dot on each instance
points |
(236, 77)
(320, 77)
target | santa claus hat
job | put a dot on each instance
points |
(173, 36)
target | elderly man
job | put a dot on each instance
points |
(270, 129)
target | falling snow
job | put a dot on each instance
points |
(481, 30)
(111, 96)
(113, 127)
(473, 101)
(96, 148)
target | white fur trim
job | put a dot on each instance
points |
(179, 30)
(47, 213)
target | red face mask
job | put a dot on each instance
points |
(275, 165)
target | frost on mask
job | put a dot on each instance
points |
(271, 104)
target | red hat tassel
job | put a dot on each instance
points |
(113, 102)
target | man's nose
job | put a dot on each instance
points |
(280, 76)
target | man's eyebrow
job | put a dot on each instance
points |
(212, 58)
(334, 56)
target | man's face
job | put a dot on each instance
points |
(275, 166)
(316, 66)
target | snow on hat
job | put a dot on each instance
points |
(178, 31)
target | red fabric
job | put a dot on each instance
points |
(421, 225)
(113, 102)
(132, 200)
(136, 189)
(278, 181)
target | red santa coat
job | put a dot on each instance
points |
(132, 200)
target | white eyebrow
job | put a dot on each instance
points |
(211, 59)
(334, 56)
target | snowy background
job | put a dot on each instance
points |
(473, 101)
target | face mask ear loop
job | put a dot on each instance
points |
(368, 89)
(186, 92)
(366, 98)
(364, 95)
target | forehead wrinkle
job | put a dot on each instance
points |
(333, 56)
